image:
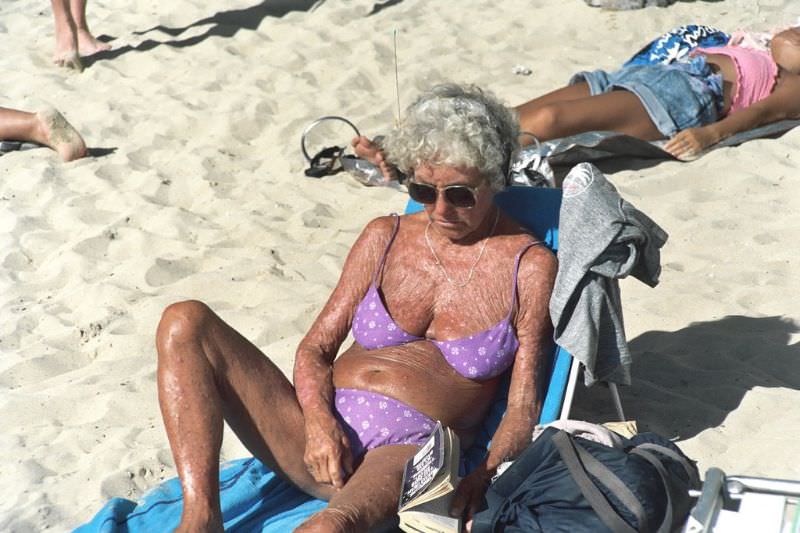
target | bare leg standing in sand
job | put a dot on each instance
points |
(47, 127)
(73, 38)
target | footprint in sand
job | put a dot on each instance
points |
(17, 261)
(677, 267)
(95, 247)
(40, 369)
(765, 238)
(168, 271)
(318, 217)
(140, 159)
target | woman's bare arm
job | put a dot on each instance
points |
(535, 333)
(783, 103)
(537, 274)
(327, 449)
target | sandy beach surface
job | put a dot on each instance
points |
(195, 190)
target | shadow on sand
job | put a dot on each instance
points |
(221, 24)
(689, 380)
(100, 151)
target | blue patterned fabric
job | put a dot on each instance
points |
(677, 43)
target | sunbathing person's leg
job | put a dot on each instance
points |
(370, 496)
(619, 111)
(206, 372)
(47, 127)
(564, 94)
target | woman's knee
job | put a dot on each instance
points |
(180, 323)
(542, 121)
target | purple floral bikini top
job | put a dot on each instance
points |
(479, 356)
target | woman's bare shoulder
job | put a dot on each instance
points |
(538, 261)
(386, 223)
(379, 228)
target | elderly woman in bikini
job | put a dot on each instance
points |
(441, 304)
(721, 91)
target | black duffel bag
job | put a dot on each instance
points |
(562, 483)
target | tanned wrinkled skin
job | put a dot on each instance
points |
(208, 372)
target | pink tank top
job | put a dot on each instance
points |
(756, 74)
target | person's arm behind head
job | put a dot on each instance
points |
(785, 48)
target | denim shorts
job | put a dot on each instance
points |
(676, 96)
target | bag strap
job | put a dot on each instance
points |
(691, 472)
(566, 448)
(614, 484)
(666, 524)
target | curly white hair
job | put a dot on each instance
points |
(458, 125)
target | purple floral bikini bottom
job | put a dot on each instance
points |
(373, 420)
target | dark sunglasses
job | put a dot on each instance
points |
(455, 195)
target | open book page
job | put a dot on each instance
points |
(431, 517)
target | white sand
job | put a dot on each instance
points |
(200, 194)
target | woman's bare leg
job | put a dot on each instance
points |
(47, 127)
(564, 94)
(87, 44)
(66, 54)
(565, 112)
(370, 496)
(208, 372)
(529, 109)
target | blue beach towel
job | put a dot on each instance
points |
(253, 499)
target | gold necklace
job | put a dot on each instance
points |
(472, 269)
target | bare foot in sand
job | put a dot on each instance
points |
(66, 54)
(372, 152)
(69, 60)
(58, 134)
(73, 38)
(88, 45)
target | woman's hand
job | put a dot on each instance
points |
(470, 494)
(687, 144)
(372, 152)
(328, 457)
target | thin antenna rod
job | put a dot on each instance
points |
(396, 82)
